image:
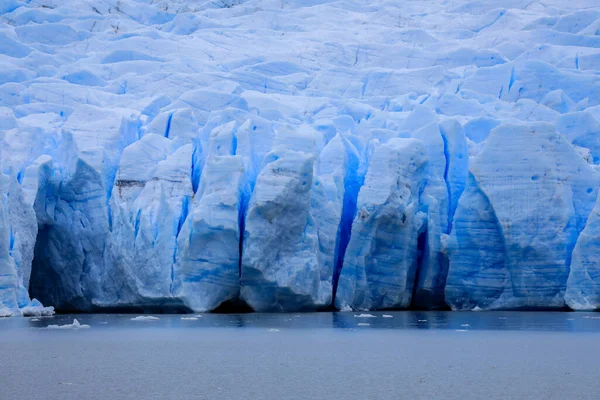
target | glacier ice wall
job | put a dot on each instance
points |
(381, 259)
(515, 231)
(183, 155)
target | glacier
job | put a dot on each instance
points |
(299, 155)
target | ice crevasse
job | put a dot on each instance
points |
(305, 155)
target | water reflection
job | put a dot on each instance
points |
(413, 320)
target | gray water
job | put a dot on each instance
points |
(410, 355)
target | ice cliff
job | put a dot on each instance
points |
(299, 155)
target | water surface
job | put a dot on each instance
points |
(404, 355)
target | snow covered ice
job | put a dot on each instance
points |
(294, 155)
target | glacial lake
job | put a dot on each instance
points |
(389, 355)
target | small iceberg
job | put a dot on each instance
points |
(364, 316)
(75, 325)
(37, 309)
(5, 312)
(387, 316)
(364, 324)
(144, 318)
(189, 319)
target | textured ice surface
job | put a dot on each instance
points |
(293, 155)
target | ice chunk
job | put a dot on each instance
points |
(145, 318)
(364, 316)
(36, 309)
(75, 326)
(5, 311)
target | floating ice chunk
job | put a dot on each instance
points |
(145, 318)
(364, 316)
(387, 316)
(273, 330)
(363, 324)
(37, 311)
(75, 325)
(5, 311)
(189, 319)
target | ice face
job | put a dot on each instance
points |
(179, 155)
(381, 259)
(293, 223)
(518, 220)
(583, 292)
(207, 267)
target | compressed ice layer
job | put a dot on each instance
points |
(153, 159)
